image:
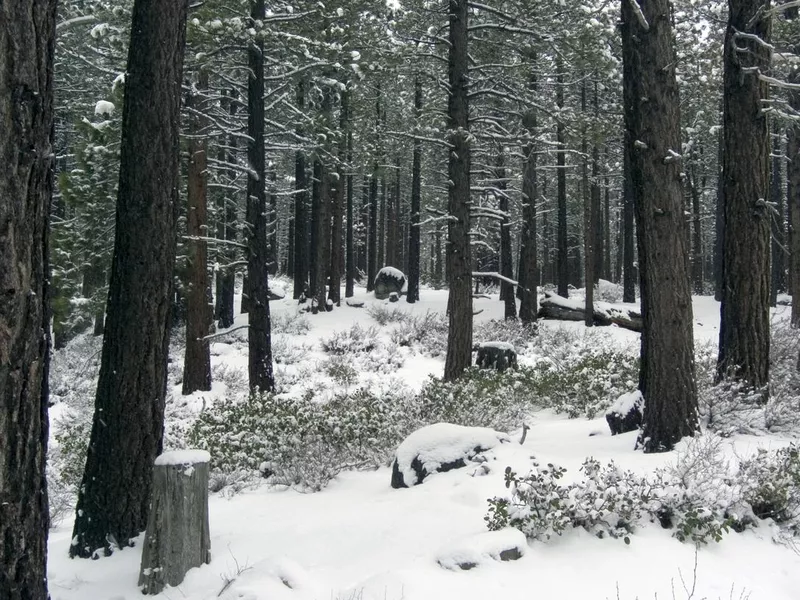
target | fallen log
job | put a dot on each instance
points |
(559, 308)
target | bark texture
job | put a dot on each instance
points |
(744, 310)
(652, 119)
(528, 268)
(27, 34)
(127, 430)
(793, 202)
(416, 200)
(459, 254)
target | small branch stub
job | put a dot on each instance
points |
(177, 537)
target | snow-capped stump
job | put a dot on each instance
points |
(177, 537)
(439, 448)
(503, 545)
(496, 355)
(388, 281)
(626, 413)
(394, 297)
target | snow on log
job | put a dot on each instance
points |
(177, 537)
(557, 307)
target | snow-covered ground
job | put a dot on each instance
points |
(361, 539)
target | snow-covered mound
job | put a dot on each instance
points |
(504, 545)
(439, 448)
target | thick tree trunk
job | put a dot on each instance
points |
(459, 252)
(719, 220)
(652, 119)
(197, 359)
(628, 268)
(697, 232)
(259, 334)
(562, 241)
(337, 200)
(301, 238)
(744, 311)
(528, 268)
(588, 221)
(114, 497)
(273, 262)
(27, 39)
(793, 202)
(416, 200)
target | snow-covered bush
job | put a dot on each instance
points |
(350, 341)
(291, 323)
(771, 484)
(301, 442)
(384, 315)
(426, 333)
(287, 351)
(479, 398)
(514, 332)
(607, 291)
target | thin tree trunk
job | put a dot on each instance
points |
(697, 232)
(744, 310)
(197, 358)
(27, 39)
(372, 255)
(588, 221)
(562, 241)
(793, 202)
(719, 219)
(350, 251)
(416, 198)
(667, 375)
(226, 229)
(778, 281)
(259, 335)
(629, 271)
(529, 277)
(506, 261)
(338, 199)
(128, 425)
(301, 233)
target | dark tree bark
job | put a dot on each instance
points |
(719, 220)
(372, 237)
(272, 261)
(777, 277)
(337, 200)
(197, 358)
(793, 202)
(652, 119)
(416, 199)
(226, 230)
(562, 241)
(459, 253)
(506, 259)
(744, 311)
(350, 251)
(259, 338)
(27, 39)
(437, 267)
(127, 430)
(606, 272)
(697, 232)
(628, 269)
(528, 268)
(588, 222)
(301, 237)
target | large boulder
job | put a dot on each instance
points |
(389, 281)
(496, 355)
(439, 448)
(626, 413)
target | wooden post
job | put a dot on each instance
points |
(177, 537)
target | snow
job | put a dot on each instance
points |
(505, 346)
(391, 272)
(625, 403)
(104, 107)
(442, 443)
(183, 457)
(359, 539)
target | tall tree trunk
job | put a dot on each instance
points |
(697, 232)
(652, 119)
(606, 271)
(744, 311)
(562, 241)
(197, 359)
(128, 425)
(259, 331)
(528, 268)
(273, 260)
(301, 233)
(350, 251)
(372, 255)
(416, 199)
(719, 218)
(793, 202)
(338, 199)
(27, 39)
(588, 221)
(226, 229)
(459, 255)
(628, 269)
(506, 260)
(777, 279)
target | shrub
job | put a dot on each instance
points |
(286, 351)
(384, 315)
(513, 331)
(290, 323)
(771, 483)
(350, 341)
(426, 333)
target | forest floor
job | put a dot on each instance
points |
(359, 539)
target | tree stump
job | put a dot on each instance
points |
(177, 537)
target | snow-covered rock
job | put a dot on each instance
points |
(389, 280)
(626, 413)
(104, 107)
(504, 545)
(439, 448)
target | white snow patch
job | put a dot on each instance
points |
(104, 107)
(498, 345)
(443, 443)
(183, 457)
(481, 547)
(626, 402)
